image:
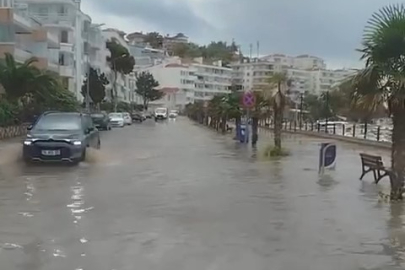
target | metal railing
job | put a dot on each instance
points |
(355, 130)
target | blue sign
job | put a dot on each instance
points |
(327, 156)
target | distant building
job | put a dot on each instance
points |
(169, 43)
(307, 73)
(185, 82)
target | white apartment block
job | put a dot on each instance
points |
(185, 83)
(125, 83)
(61, 36)
(307, 73)
(24, 38)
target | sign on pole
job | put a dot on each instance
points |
(248, 99)
(327, 157)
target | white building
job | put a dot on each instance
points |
(307, 73)
(125, 83)
(185, 83)
(24, 38)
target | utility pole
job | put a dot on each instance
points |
(301, 107)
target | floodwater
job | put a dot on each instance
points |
(177, 196)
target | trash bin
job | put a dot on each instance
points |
(242, 133)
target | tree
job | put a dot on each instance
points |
(383, 81)
(19, 80)
(120, 61)
(278, 86)
(98, 83)
(154, 39)
(145, 87)
(258, 111)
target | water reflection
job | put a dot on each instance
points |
(326, 182)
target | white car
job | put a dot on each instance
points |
(161, 113)
(117, 120)
(127, 118)
(173, 114)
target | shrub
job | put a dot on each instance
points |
(273, 152)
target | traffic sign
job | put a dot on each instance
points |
(248, 99)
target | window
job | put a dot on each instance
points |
(43, 11)
(62, 61)
(6, 32)
(64, 36)
(62, 10)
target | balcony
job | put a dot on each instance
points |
(53, 67)
(56, 19)
(53, 41)
(21, 55)
(66, 47)
(66, 71)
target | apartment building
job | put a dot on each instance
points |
(125, 83)
(25, 37)
(185, 82)
(211, 80)
(308, 74)
(169, 43)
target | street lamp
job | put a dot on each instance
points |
(88, 66)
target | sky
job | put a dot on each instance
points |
(331, 29)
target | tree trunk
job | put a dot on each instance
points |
(223, 124)
(115, 98)
(278, 125)
(398, 154)
(255, 129)
(238, 122)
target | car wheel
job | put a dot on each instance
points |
(83, 156)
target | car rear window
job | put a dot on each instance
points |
(58, 122)
(97, 115)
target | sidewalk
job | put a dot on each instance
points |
(304, 157)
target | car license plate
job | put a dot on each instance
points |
(50, 152)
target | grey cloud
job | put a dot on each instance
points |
(327, 28)
(168, 16)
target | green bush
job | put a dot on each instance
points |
(274, 152)
(9, 113)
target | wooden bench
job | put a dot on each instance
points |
(370, 163)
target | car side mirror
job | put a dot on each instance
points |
(29, 127)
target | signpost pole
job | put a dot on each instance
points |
(247, 125)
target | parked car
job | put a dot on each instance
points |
(127, 118)
(138, 117)
(101, 121)
(116, 120)
(60, 136)
(148, 115)
(173, 114)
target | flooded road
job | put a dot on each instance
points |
(177, 196)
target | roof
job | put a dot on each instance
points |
(175, 65)
(169, 90)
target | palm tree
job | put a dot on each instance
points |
(382, 81)
(258, 111)
(276, 94)
(20, 81)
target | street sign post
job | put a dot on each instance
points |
(248, 101)
(327, 157)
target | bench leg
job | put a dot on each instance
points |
(381, 176)
(376, 176)
(364, 173)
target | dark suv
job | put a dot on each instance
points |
(60, 136)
